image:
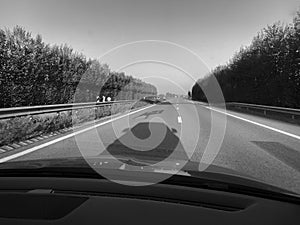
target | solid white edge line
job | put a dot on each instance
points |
(25, 152)
(256, 123)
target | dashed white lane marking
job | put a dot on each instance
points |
(15, 145)
(23, 143)
(25, 152)
(7, 148)
(179, 119)
(122, 167)
(256, 123)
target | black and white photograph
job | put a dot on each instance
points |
(150, 112)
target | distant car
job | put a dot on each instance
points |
(152, 99)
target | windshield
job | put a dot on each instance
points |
(161, 86)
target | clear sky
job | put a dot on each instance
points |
(212, 29)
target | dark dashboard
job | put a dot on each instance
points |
(55, 200)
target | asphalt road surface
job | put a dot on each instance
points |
(257, 147)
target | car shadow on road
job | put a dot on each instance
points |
(283, 153)
(147, 144)
(164, 103)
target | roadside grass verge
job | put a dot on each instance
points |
(26, 127)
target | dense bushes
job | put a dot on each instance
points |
(98, 80)
(266, 72)
(35, 73)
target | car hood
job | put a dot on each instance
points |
(123, 163)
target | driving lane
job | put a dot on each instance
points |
(183, 130)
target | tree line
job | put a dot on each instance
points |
(266, 72)
(35, 73)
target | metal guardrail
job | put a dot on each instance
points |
(266, 109)
(7, 113)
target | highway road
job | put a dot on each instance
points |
(257, 147)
